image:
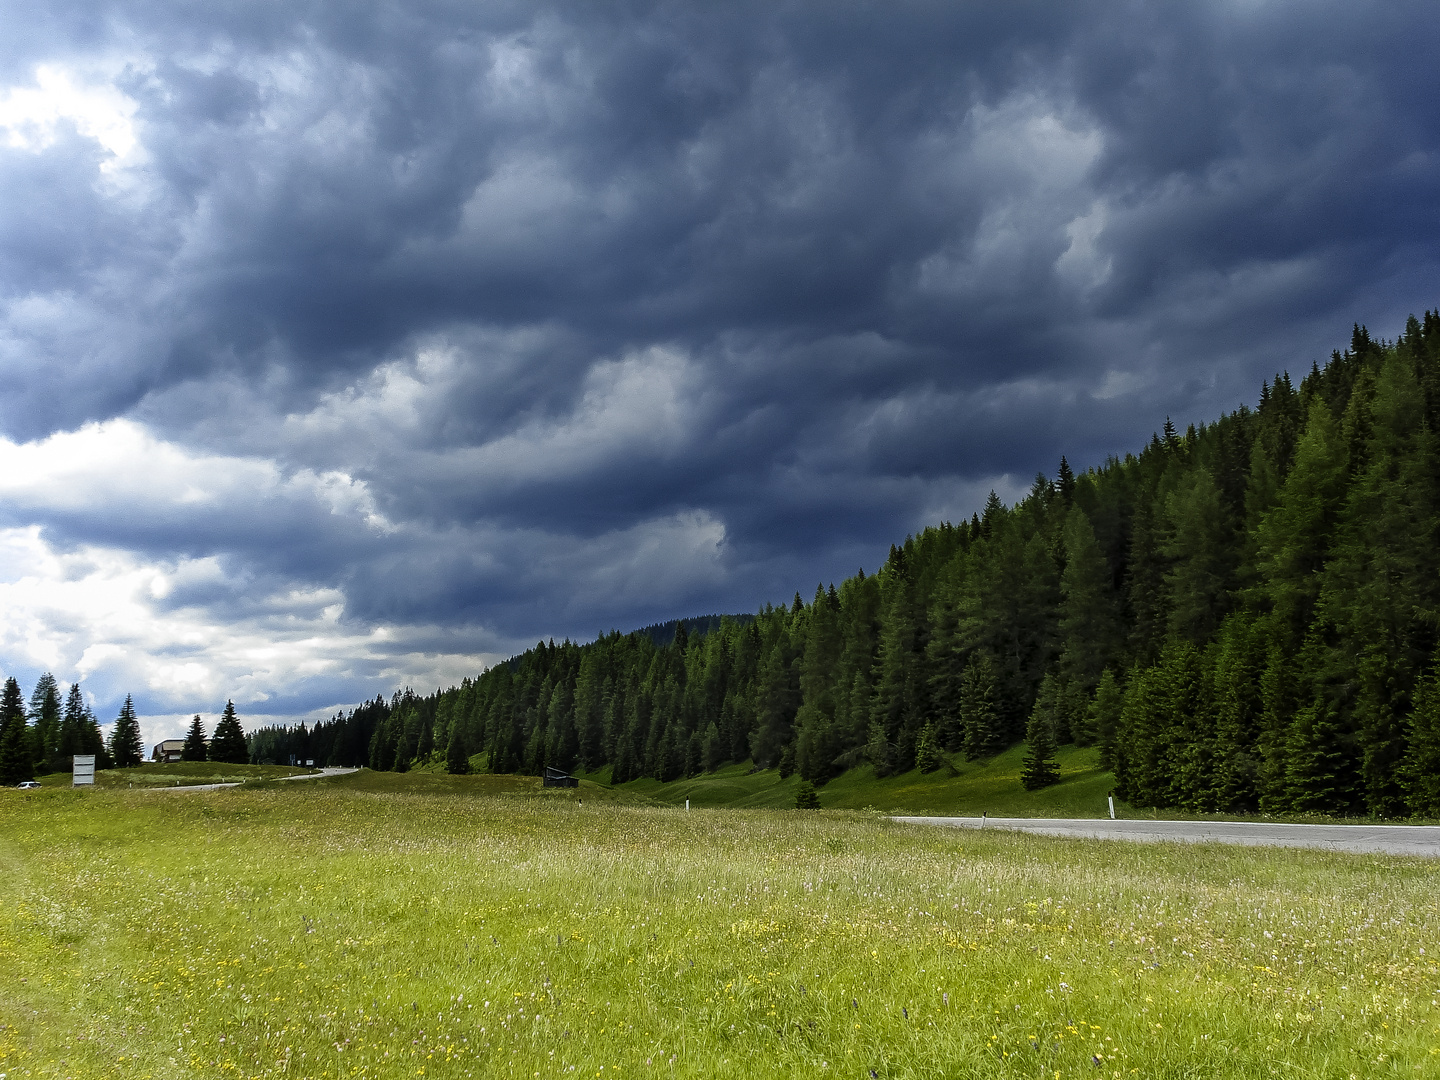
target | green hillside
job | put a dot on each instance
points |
(962, 789)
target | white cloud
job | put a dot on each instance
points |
(92, 614)
(119, 465)
(30, 116)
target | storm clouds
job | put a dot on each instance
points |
(353, 345)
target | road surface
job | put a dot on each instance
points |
(327, 771)
(1365, 839)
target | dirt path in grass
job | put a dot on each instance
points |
(1366, 839)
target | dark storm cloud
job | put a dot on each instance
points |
(608, 312)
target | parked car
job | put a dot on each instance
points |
(27, 784)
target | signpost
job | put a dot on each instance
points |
(84, 770)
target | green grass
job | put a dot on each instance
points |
(178, 773)
(435, 781)
(961, 788)
(420, 925)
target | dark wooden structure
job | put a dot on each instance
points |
(558, 778)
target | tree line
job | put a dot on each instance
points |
(45, 735)
(1243, 616)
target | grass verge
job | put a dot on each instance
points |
(960, 788)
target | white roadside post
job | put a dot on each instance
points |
(1111, 800)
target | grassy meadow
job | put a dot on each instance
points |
(422, 925)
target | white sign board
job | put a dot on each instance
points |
(84, 769)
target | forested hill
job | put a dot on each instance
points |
(664, 633)
(1242, 616)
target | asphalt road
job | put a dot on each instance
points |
(1365, 839)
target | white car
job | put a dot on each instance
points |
(26, 785)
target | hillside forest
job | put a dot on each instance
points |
(1243, 616)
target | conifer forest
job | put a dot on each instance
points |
(1241, 617)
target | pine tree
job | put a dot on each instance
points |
(72, 726)
(806, 797)
(194, 748)
(878, 750)
(1039, 769)
(927, 750)
(711, 748)
(45, 723)
(1420, 771)
(1050, 702)
(1381, 588)
(126, 749)
(978, 717)
(457, 761)
(16, 763)
(1294, 536)
(1238, 666)
(1137, 752)
(1201, 552)
(1105, 716)
(1318, 767)
(228, 743)
(1145, 589)
(1065, 483)
(1089, 624)
(787, 761)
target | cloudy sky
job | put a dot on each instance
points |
(350, 345)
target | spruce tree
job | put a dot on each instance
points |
(927, 750)
(1200, 547)
(16, 763)
(711, 749)
(45, 723)
(787, 761)
(194, 748)
(1236, 673)
(457, 761)
(228, 743)
(1065, 483)
(1105, 716)
(978, 716)
(1420, 771)
(73, 730)
(806, 797)
(126, 749)
(1089, 623)
(1319, 770)
(1039, 769)
(1050, 707)
(1381, 587)
(1294, 536)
